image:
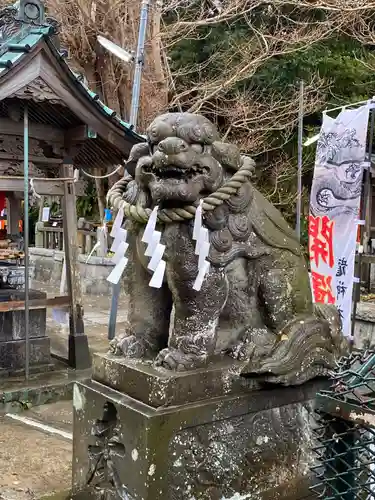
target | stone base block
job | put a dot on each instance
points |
(13, 355)
(79, 352)
(159, 387)
(12, 323)
(242, 445)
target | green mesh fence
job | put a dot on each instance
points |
(345, 431)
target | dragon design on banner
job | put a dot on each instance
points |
(336, 191)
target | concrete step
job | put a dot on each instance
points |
(17, 394)
(38, 424)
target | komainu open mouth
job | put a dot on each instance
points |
(175, 172)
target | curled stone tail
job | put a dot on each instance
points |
(308, 348)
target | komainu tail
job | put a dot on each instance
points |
(309, 347)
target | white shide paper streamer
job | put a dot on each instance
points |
(120, 252)
(203, 254)
(150, 227)
(197, 221)
(156, 257)
(155, 250)
(202, 248)
(201, 275)
(158, 276)
(203, 237)
(121, 235)
(117, 222)
(119, 246)
(153, 244)
(117, 271)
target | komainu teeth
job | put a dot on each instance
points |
(184, 174)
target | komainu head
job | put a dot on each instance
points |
(183, 159)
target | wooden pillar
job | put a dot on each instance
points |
(99, 184)
(79, 355)
(41, 206)
(80, 235)
(13, 213)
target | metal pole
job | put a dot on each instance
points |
(26, 233)
(116, 289)
(133, 121)
(299, 174)
(139, 61)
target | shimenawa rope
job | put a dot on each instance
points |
(167, 215)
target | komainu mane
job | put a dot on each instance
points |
(255, 303)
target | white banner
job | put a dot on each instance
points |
(334, 209)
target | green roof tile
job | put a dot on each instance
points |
(9, 58)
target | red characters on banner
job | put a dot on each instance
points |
(322, 288)
(321, 240)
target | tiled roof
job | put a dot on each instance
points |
(19, 35)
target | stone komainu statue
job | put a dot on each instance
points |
(255, 303)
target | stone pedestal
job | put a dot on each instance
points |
(146, 433)
(13, 335)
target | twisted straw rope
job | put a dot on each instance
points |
(167, 215)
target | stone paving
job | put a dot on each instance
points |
(35, 462)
